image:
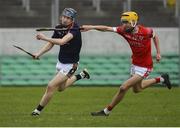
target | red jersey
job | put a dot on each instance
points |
(140, 43)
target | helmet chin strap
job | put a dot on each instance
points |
(66, 26)
(129, 30)
(133, 24)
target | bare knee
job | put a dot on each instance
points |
(136, 90)
(60, 89)
(123, 89)
(50, 88)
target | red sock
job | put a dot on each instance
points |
(157, 79)
(109, 107)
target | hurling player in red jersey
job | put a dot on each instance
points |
(139, 39)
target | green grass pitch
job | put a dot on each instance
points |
(152, 107)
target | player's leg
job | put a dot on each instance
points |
(119, 95)
(54, 84)
(124, 88)
(164, 78)
(84, 74)
(51, 88)
(70, 81)
(143, 84)
(143, 72)
(67, 70)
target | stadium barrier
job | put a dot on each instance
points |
(104, 70)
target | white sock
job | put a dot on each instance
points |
(37, 111)
(106, 111)
(82, 75)
(161, 79)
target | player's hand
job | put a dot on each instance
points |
(36, 56)
(40, 36)
(158, 57)
(85, 28)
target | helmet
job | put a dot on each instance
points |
(130, 17)
(69, 12)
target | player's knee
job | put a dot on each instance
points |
(60, 89)
(122, 89)
(50, 87)
(136, 91)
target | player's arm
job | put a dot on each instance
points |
(43, 50)
(156, 43)
(56, 41)
(97, 27)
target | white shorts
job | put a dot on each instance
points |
(66, 69)
(142, 71)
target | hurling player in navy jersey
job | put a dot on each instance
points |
(70, 45)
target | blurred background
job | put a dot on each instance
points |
(105, 55)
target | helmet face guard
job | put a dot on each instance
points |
(69, 12)
(129, 17)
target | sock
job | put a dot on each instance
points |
(82, 74)
(108, 109)
(159, 79)
(78, 77)
(37, 111)
(39, 108)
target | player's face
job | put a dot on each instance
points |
(127, 26)
(66, 21)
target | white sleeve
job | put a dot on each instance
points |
(153, 34)
(114, 29)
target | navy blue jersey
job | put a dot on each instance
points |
(69, 52)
